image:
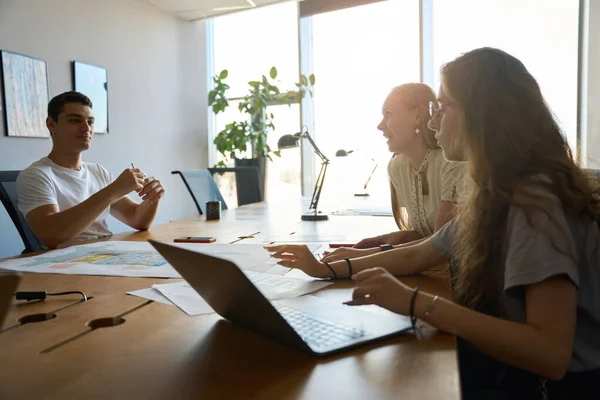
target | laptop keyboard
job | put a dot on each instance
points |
(318, 333)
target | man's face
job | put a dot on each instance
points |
(74, 129)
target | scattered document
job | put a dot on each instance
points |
(373, 211)
(273, 287)
(139, 259)
(302, 238)
(151, 294)
(185, 297)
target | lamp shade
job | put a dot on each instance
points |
(343, 153)
(288, 142)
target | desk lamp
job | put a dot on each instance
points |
(292, 141)
(344, 153)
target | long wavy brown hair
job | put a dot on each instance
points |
(510, 139)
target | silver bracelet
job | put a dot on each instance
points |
(430, 308)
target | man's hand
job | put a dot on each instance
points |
(152, 191)
(130, 180)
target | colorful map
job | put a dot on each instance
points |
(103, 256)
(139, 259)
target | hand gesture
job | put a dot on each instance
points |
(378, 286)
(152, 191)
(132, 179)
(300, 257)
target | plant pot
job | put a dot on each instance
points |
(261, 164)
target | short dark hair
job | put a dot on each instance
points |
(57, 104)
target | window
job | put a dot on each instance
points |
(248, 44)
(543, 34)
(372, 49)
(359, 54)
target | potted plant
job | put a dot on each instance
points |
(245, 141)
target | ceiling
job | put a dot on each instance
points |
(194, 10)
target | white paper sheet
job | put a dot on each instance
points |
(185, 297)
(138, 259)
(272, 286)
(373, 211)
(151, 294)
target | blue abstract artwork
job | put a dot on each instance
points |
(25, 84)
(93, 82)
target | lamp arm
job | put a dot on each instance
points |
(314, 202)
(306, 135)
(370, 176)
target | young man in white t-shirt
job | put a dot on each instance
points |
(64, 199)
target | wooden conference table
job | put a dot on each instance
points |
(160, 352)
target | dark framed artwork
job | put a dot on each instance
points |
(93, 82)
(25, 94)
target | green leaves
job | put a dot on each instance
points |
(217, 98)
(250, 135)
(212, 95)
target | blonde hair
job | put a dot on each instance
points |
(415, 96)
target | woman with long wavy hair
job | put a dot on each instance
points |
(524, 246)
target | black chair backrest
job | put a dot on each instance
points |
(8, 196)
(247, 183)
(202, 188)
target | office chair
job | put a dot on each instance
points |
(246, 181)
(202, 188)
(8, 196)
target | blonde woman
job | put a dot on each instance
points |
(424, 186)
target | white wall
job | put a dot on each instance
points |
(157, 88)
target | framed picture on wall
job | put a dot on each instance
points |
(2, 114)
(25, 95)
(93, 82)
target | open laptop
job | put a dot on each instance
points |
(306, 323)
(8, 285)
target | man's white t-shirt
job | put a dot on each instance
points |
(45, 182)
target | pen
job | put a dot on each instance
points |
(133, 166)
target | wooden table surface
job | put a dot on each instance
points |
(160, 352)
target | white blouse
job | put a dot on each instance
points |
(421, 191)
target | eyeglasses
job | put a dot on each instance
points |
(436, 108)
